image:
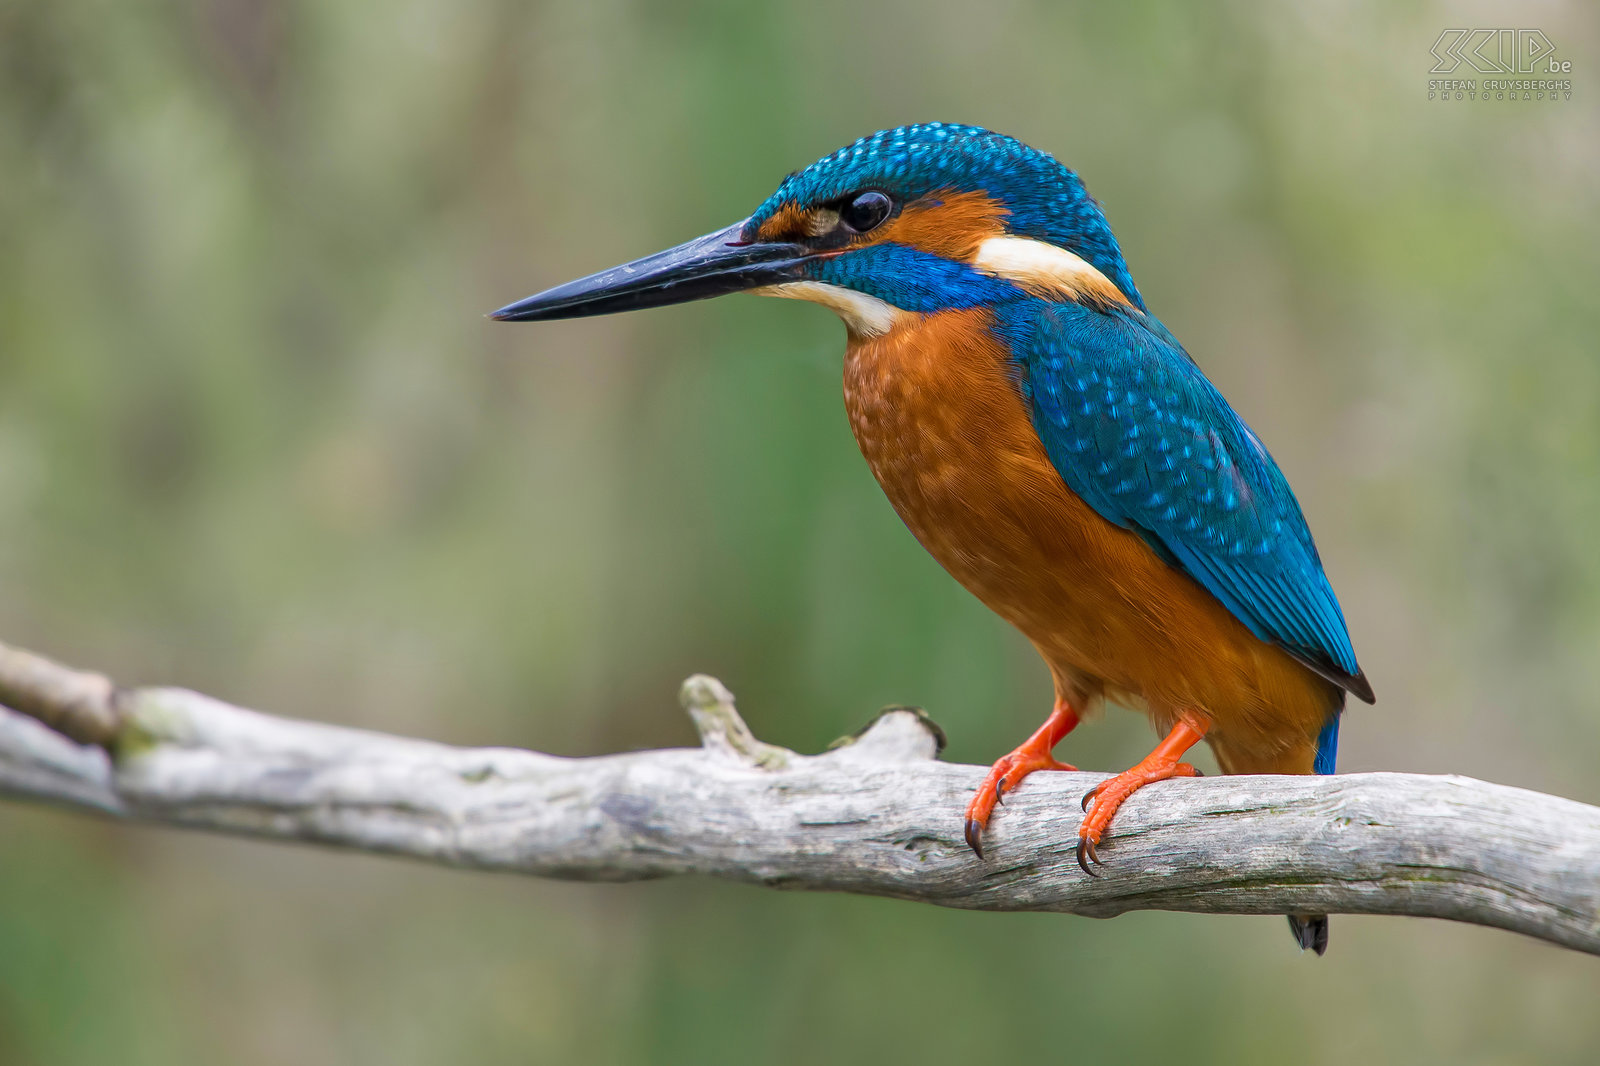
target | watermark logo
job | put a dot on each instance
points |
(1498, 52)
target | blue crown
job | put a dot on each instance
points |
(1046, 200)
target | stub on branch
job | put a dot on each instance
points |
(77, 703)
(896, 735)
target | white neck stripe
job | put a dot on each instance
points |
(1041, 265)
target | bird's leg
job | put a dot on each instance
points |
(1101, 801)
(1007, 773)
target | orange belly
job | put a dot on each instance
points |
(936, 410)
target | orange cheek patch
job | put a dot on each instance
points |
(947, 224)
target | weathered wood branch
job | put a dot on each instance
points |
(875, 815)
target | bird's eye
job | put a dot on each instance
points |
(866, 210)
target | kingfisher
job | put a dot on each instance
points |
(1048, 440)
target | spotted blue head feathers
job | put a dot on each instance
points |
(1041, 198)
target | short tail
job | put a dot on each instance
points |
(1311, 930)
(1328, 744)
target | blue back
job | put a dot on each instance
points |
(1145, 439)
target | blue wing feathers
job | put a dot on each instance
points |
(1138, 432)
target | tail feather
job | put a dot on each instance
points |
(1310, 931)
(1328, 745)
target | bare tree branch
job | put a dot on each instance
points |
(876, 815)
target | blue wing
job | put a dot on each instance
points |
(1138, 432)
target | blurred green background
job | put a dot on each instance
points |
(256, 438)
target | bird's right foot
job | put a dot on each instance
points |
(1007, 772)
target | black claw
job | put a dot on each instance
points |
(1088, 797)
(998, 787)
(975, 836)
(1086, 855)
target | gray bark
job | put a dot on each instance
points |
(877, 815)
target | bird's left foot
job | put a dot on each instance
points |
(1101, 802)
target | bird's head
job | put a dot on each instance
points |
(917, 219)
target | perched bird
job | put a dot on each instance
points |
(1051, 444)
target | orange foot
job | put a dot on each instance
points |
(1006, 774)
(1108, 795)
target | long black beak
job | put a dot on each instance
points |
(718, 263)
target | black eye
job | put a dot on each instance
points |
(866, 210)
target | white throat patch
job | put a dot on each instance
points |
(864, 316)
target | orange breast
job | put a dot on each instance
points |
(937, 412)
